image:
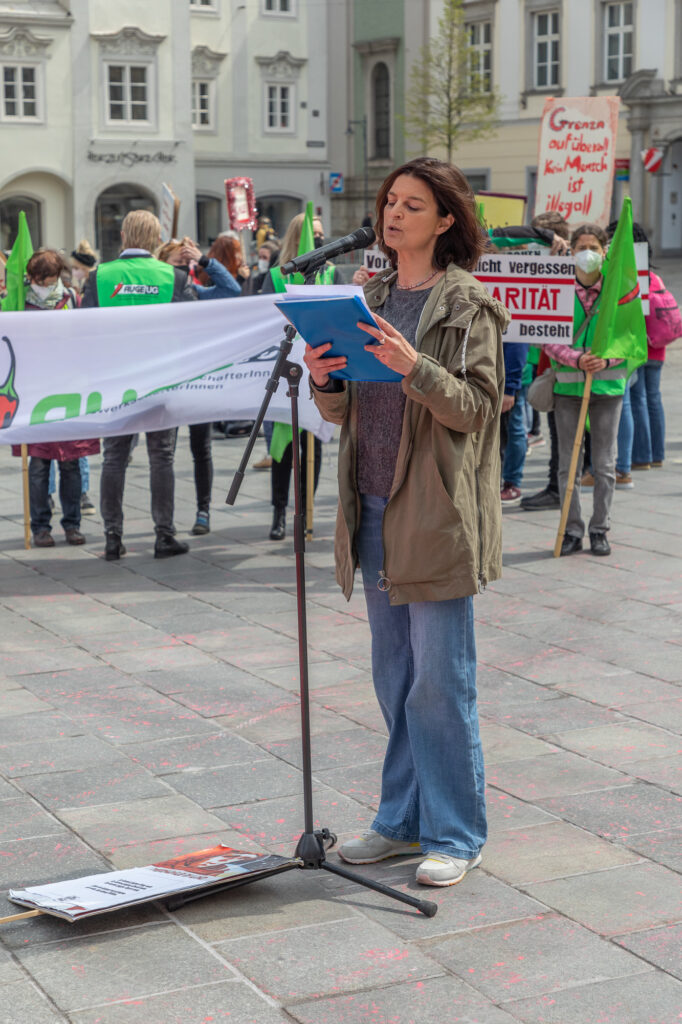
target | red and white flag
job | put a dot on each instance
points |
(652, 159)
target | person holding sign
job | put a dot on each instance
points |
(419, 511)
(588, 244)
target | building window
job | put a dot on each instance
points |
(287, 7)
(546, 49)
(618, 38)
(381, 109)
(202, 104)
(209, 212)
(10, 209)
(479, 34)
(477, 179)
(209, 5)
(127, 93)
(279, 107)
(20, 92)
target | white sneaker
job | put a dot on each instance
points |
(439, 869)
(371, 846)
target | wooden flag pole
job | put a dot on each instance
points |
(310, 486)
(577, 444)
(27, 504)
(20, 917)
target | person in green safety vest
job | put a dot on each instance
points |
(572, 362)
(136, 279)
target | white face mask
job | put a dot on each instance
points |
(43, 291)
(263, 266)
(588, 261)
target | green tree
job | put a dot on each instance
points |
(451, 98)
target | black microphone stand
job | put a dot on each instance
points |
(310, 854)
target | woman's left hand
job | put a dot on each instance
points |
(393, 350)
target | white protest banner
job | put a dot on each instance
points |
(538, 291)
(576, 158)
(374, 261)
(100, 372)
(642, 261)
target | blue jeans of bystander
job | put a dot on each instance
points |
(648, 415)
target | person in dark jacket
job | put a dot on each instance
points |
(116, 284)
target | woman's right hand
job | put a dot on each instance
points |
(320, 365)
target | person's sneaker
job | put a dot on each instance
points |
(264, 463)
(201, 524)
(166, 546)
(371, 846)
(439, 869)
(640, 465)
(599, 544)
(587, 481)
(624, 481)
(87, 507)
(114, 547)
(43, 539)
(74, 536)
(510, 494)
(535, 440)
(546, 498)
(657, 465)
(571, 544)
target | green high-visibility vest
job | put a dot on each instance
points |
(571, 381)
(138, 281)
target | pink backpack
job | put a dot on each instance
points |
(664, 322)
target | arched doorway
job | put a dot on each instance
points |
(10, 207)
(209, 213)
(111, 207)
(280, 210)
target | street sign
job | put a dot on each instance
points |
(652, 159)
(336, 183)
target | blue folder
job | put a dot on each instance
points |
(334, 319)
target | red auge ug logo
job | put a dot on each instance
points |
(9, 399)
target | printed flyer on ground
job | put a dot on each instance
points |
(112, 890)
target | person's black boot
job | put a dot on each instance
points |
(113, 547)
(279, 518)
(166, 546)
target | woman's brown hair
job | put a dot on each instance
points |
(227, 251)
(463, 242)
(44, 263)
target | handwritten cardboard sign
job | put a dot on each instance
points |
(538, 291)
(576, 158)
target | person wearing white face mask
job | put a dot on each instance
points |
(83, 259)
(572, 363)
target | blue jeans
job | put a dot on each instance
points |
(626, 430)
(647, 412)
(517, 442)
(424, 669)
(85, 475)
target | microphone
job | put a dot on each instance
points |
(358, 240)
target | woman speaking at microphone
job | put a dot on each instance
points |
(419, 512)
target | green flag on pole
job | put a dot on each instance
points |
(15, 270)
(282, 434)
(620, 331)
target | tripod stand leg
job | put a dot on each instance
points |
(425, 906)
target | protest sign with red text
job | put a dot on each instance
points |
(538, 291)
(576, 158)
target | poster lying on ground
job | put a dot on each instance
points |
(101, 372)
(113, 890)
(576, 158)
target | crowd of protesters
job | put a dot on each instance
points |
(626, 422)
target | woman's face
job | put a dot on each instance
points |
(411, 219)
(588, 242)
(46, 282)
(175, 258)
(264, 254)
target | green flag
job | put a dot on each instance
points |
(282, 434)
(306, 244)
(15, 271)
(620, 331)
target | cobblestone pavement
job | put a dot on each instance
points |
(149, 708)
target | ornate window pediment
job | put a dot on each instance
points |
(20, 42)
(128, 42)
(282, 66)
(206, 62)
